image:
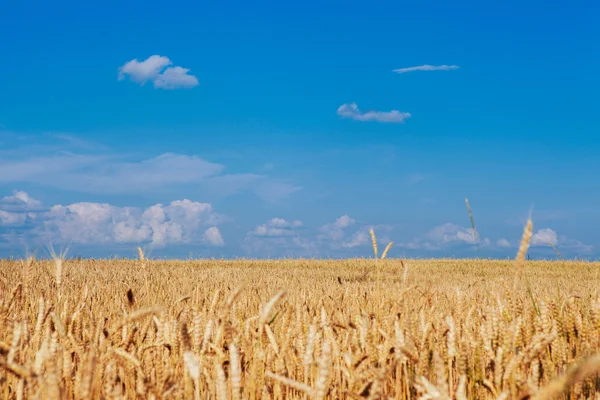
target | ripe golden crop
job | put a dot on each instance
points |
(356, 328)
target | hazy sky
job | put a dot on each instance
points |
(274, 128)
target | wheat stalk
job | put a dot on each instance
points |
(475, 234)
(373, 242)
(387, 248)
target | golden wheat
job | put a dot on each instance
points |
(451, 329)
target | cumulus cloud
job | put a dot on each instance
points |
(426, 68)
(213, 236)
(18, 210)
(157, 69)
(20, 197)
(351, 111)
(449, 233)
(335, 230)
(544, 237)
(181, 221)
(277, 227)
(503, 243)
(175, 78)
(143, 71)
(8, 219)
(547, 237)
(359, 238)
(19, 202)
(340, 234)
(278, 236)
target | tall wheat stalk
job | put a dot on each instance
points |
(475, 234)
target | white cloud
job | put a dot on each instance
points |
(143, 71)
(282, 223)
(544, 237)
(503, 243)
(426, 68)
(278, 237)
(337, 235)
(18, 210)
(175, 78)
(344, 221)
(359, 238)
(12, 218)
(448, 233)
(351, 111)
(335, 230)
(19, 202)
(548, 237)
(277, 227)
(181, 221)
(213, 236)
(20, 197)
(150, 70)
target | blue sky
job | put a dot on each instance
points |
(289, 129)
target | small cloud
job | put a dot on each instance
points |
(544, 237)
(157, 70)
(336, 235)
(351, 111)
(19, 201)
(276, 227)
(282, 223)
(278, 237)
(426, 68)
(213, 236)
(143, 71)
(547, 238)
(359, 238)
(503, 243)
(10, 219)
(449, 233)
(175, 78)
(18, 210)
(344, 221)
(335, 230)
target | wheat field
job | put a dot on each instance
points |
(347, 329)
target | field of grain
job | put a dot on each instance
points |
(361, 328)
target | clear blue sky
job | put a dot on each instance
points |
(280, 130)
